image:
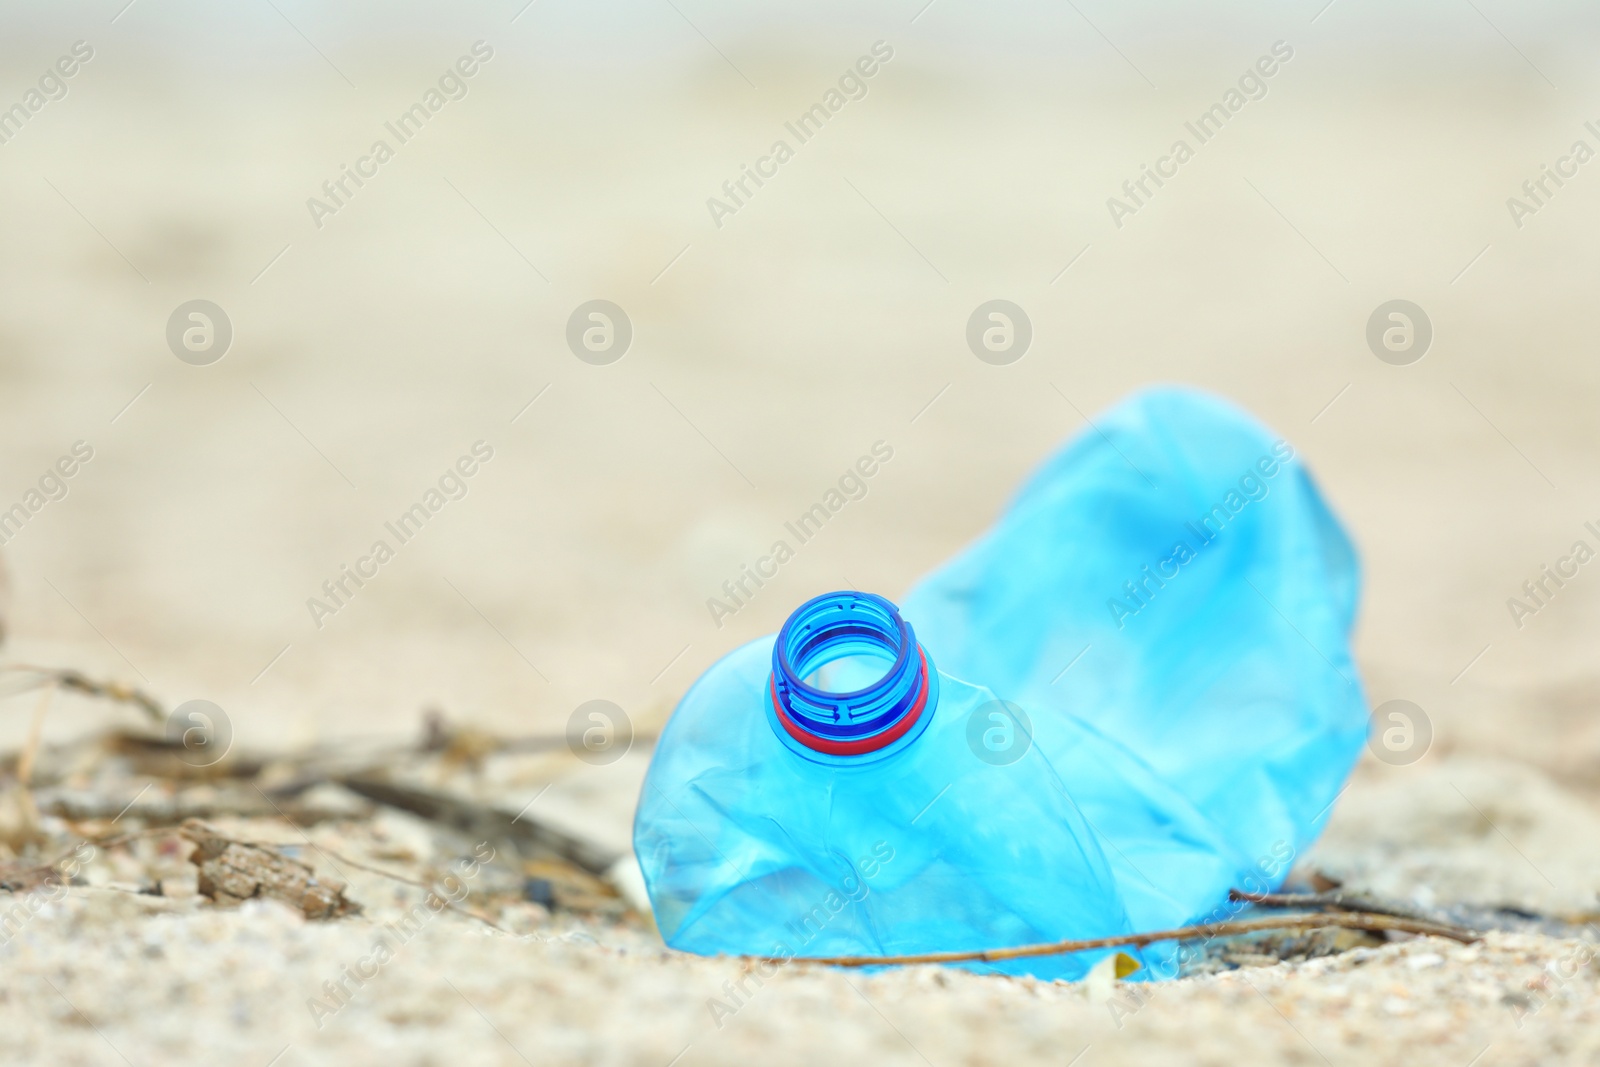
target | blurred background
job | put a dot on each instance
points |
(374, 343)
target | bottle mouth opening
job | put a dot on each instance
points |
(851, 672)
(848, 676)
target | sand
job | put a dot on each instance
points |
(104, 974)
(371, 353)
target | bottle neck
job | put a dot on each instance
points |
(861, 724)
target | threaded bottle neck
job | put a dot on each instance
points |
(862, 723)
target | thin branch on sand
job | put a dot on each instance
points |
(1233, 927)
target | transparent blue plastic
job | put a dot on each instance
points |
(752, 843)
(1133, 693)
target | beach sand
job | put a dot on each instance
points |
(428, 314)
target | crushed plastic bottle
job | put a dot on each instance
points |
(784, 819)
(1187, 557)
(1132, 694)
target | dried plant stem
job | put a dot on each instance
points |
(111, 842)
(452, 905)
(67, 678)
(1338, 899)
(30, 750)
(1233, 927)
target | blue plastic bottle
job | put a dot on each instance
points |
(783, 819)
(1130, 695)
(1174, 578)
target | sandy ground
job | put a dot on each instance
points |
(103, 975)
(429, 312)
(247, 975)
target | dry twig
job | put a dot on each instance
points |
(28, 807)
(484, 822)
(452, 905)
(1337, 899)
(67, 678)
(1347, 920)
(160, 808)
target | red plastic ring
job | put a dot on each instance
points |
(865, 744)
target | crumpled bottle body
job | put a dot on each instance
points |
(1166, 605)
(1173, 578)
(750, 848)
